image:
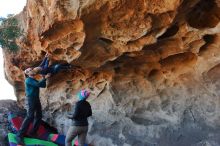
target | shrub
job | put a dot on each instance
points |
(9, 31)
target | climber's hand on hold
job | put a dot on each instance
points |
(47, 55)
(48, 76)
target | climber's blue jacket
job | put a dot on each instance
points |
(32, 87)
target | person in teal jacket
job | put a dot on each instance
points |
(34, 112)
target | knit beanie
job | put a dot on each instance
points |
(83, 94)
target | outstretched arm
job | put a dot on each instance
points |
(45, 63)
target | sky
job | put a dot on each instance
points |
(8, 7)
(11, 7)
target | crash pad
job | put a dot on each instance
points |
(29, 141)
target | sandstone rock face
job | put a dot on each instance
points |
(152, 65)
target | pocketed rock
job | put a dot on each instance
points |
(152, 66)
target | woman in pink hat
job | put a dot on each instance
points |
(81, 111)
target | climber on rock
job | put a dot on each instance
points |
(81, 111)
(44, 68)
(34, 112)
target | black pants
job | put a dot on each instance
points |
(34, 112)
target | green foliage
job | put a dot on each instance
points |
(9, 31)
